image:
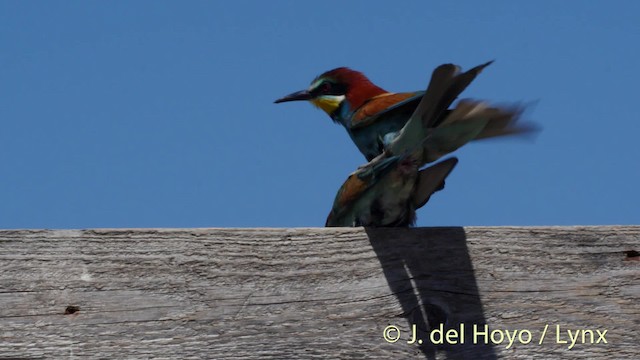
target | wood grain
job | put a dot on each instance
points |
(316, 293)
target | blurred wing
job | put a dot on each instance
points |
(472, 120)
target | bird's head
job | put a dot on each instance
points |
(336, 88)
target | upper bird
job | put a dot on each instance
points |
(373, 116)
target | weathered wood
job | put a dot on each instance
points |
(316, 293)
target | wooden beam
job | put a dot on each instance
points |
(321, 293)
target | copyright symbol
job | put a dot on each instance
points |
(391, 333)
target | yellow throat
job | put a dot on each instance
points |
(328, 103)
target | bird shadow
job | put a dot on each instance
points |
(430, 273)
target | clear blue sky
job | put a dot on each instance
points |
(161, 114)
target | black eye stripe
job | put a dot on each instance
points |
(323, 88)
(328, 88)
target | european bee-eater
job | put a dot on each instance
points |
(373, 117)
(387, 191)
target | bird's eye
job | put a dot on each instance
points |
(325, 87)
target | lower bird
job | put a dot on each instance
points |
(387, 192)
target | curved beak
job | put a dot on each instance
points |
(296, 96)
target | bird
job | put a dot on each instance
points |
(374, 117)
(389, 189)
(399, 133)
(386, 192)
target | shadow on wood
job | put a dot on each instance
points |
(431, 274)
(317, 293)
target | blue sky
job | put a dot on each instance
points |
(161, 114)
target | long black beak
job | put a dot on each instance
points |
(296, 96)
